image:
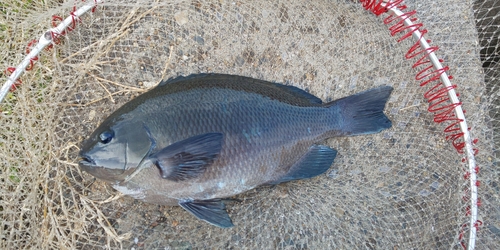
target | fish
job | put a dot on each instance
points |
(194, 141)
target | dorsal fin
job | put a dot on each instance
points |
(288, 94)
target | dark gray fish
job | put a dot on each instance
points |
(193, 140)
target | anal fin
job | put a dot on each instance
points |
(316, 161)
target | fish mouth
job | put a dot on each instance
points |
(86, 162)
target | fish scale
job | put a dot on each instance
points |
(194, 140)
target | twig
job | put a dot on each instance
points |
(118, 84)
(412, 106)
(107, 91)
(96, 100)
(164, 72)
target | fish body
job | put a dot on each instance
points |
(193, 140)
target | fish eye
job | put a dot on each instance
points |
(106, 136)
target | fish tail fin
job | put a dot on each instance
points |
(362, 113)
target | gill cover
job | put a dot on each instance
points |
(115, 150)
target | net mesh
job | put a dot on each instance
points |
(401, 189)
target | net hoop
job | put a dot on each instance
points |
(443, 100)
(47, 40)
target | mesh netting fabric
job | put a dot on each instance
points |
(401, 189)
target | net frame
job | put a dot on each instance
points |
(443, 100)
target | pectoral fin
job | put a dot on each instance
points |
(188, 158)
(211, 211)
(316, 161)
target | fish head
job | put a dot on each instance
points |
(116, 149)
